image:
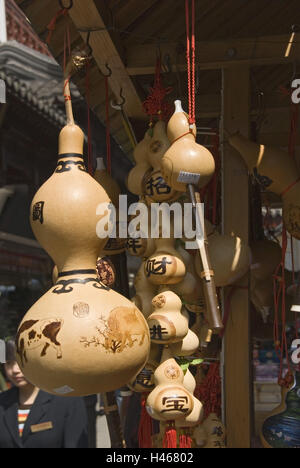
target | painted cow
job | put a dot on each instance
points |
(122, 325)
(33, 334)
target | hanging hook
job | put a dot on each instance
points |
(119, 105)
(89, 48)
(64, 7)
(109, 71)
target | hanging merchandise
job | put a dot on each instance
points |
(155, 188)
(165, 265)
(185, 161)
(211, 434)
(276, 172)
(170, 400)
(136, 175)
(166, 323)
(187, 166)
(281, 429)
(81, 337)
(230, 258)
(106, 271)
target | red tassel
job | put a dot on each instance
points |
(185, 440)
(170, 438)
(145, 427)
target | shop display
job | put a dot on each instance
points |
(276, 172)
(81, 337)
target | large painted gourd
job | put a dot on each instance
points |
(81, 337)
(277, 172)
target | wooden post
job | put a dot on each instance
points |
(237, 347)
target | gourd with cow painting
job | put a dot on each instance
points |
(81, 337)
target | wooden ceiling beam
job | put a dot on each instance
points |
(212, 55)
(87, 16)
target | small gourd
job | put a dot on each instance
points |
(166, 323)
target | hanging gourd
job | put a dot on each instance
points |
(169, 400)
(210, 434)
(155, 187)
(81, 337)
(165, 265)
(185, 157)
(277, 172)
(144, 245)
(230, 258)
(136, 175)
(106, 271)
(166, 323)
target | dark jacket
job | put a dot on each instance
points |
(67, 415)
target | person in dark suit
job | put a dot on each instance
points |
(32, 418)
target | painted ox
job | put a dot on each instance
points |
(33, 334)
(123, 323)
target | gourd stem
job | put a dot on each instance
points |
(67, 93)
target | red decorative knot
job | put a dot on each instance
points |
(155, 104)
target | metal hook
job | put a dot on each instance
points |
(89, 48)
(64, 7)
(119, 105)
(109, 71)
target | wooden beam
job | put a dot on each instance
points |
(237, 347)
(85, 15)
(265, 50)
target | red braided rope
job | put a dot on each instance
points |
(290, 187)
(191, 51)
(52, 25)
(281, 345)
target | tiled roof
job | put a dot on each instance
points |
(35, 79)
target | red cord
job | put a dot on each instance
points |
(108, 145)
(281, 345)
(289, 187)
(51, 26)
(191, 51)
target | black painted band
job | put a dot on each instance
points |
(70, 155)
(77, 272)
